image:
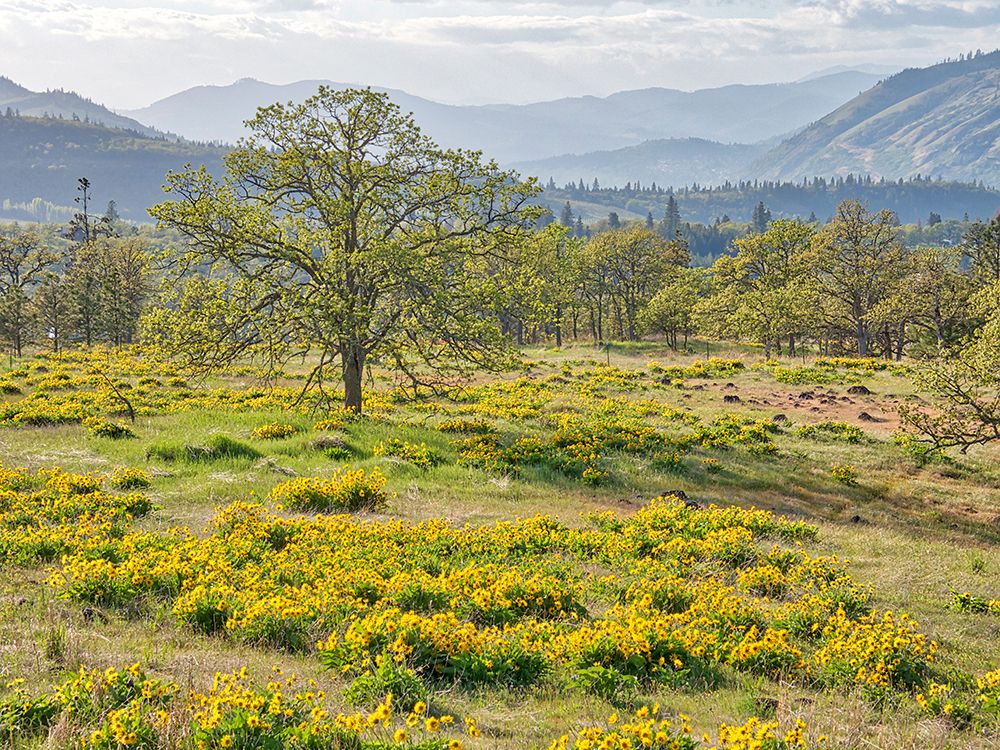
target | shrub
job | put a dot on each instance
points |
(413, 453)
(388, 677)
(7, 386)
(469, 426)
(835, 430)
(112, 430)
(125, 478)
(344, 491)
(939, 700)
(328, 425)
(273, 431)
(844, 473)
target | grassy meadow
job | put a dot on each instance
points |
(536, 556)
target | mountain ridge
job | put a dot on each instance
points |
(943, 120)
(58, 103)
(524, 132)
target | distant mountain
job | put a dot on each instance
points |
(520, 133)
(65, 104)
(942, 120)
(666, 162)
(44, 157)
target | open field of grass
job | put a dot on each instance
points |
(502, 558)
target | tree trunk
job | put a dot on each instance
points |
(791, 345)
(862, 339)
(353, 368)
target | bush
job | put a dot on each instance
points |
(417, 454)
(344, 491)
(388, 677)
(835, 430)
(469, 426)
(328, 425)
(124, 478)
(7, 386)
(273, 431)
(844, 473)
(112, 430)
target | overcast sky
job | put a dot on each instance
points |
(128, 53)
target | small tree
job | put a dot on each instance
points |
(23, 263)
(371, 239)
(52, 309)
(766, 292)
(629, 265)
(671, 310)
(761, 218)
(860, 261)
(981, 244)
(965, 384)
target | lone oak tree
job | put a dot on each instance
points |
(368, 239)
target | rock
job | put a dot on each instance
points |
(272, 465)
(856, 518)
(779, 418)
(866, 417)
(859, 390)
(807, 396)
(729, 386)
(90, 614)
(730, 399)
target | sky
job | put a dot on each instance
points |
(129, 53)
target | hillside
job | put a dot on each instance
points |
(518, 133)
(672, 161)
(942, 120)
(43, 158)
(64, 104)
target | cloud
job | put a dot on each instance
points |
(130, 51)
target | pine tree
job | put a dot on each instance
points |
(566, 217)
(671, 219)
(761, 218)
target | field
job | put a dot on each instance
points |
(622, 549)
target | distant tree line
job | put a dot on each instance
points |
(710, 218)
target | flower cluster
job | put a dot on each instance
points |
(273, 431)
(418, 454)
(350, 490)
(646, 730)
(126, 708)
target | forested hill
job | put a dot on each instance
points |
(44, 157)
(942, 120)
(913, 200)
(57, 103)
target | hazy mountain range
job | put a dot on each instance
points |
(942, 120)
(518, 133)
